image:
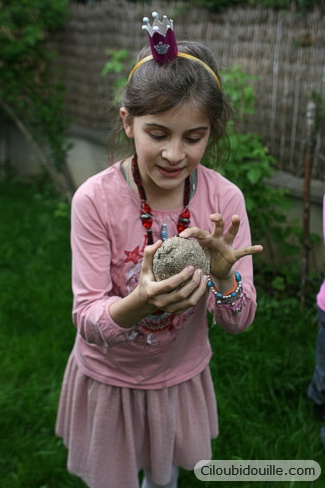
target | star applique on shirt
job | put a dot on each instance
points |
(133, 256)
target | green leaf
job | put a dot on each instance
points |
(254, 175)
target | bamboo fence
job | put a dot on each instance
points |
(283, 51)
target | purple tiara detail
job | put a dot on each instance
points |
(161, 37)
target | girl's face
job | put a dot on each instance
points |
(169, 146)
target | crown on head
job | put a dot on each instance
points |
(164, 47)
(161, 37)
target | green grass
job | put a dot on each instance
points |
(260, 376)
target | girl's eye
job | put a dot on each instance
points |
(157, 137)
(193, 140)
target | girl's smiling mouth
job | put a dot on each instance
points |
(170, 172)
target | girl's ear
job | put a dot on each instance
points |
(127, 121)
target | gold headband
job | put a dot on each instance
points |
(180, 55)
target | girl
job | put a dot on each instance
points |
(137, 392)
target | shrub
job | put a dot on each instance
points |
(27, 91)
(249, 166)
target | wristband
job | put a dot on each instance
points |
(232, 299)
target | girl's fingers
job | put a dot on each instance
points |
(233, 229)
(178, 292)
(247, 251)
(174, 282)
(188, 295)
(231, 233)
(149, 252)
(194, 232)
(219, 225)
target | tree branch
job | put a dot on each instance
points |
(62, 182)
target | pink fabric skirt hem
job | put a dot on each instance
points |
(112, 433)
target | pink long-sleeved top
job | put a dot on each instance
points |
(108, 242)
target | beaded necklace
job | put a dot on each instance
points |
(146, 215)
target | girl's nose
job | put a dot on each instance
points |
(174, 152)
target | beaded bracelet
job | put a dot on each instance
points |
(232, 299)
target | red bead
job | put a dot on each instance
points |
(146, 208)
(185, 214)
(181, 227)
(147, 223)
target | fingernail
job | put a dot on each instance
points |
(190, 269)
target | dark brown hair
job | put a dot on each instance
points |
(155, 88)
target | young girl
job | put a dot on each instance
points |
(137, 392)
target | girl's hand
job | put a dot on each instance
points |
(175, 294)
(218, 245)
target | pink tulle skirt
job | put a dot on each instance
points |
(112, 433)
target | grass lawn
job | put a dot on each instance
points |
(260, 376)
